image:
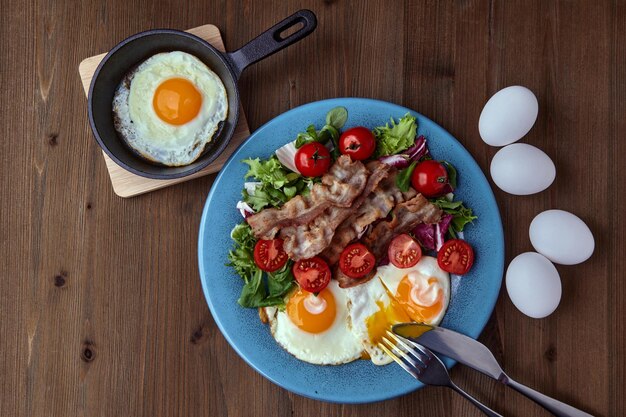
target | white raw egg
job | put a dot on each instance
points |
(522, 169)
(508, 116)
(533, 284)
(561, 237)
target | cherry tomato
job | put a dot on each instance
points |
(456, 256)
(358, 142)
(313, 274)
(431, 179)
(356, 261)
(269, 255)
(404, 252)
(313, 159)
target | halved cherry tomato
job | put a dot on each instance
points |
(456, 256)
(358, 142)
(356, 261)
(313, 159)
(431, 179)
(313, 274)
(269, 255)
(404, 252)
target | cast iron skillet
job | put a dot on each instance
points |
(228, 66)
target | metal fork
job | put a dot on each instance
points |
(424, 366)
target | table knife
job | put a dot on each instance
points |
(474, 354)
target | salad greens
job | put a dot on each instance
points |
(335, 119)
(257, 291)
(281, 282)
(241, 258)
(451, 173)
(269, 171)
(397, 137)
(277, 184)
(461, 215)
(403, 180)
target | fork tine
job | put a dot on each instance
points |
(423, 349)
(398, 360)
(399, 352)
(420, 350)
(420, 354)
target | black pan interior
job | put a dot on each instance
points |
(123, 59)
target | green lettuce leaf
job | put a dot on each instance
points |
(403, 179)
(451, 173)
(241, 257)
(395, 137)
(310, 135)
(253, 292)
(280, 282)
(269, 171)
(278, 184)
(335, 119)
(461, 215)
(259, 292)
(259, 289)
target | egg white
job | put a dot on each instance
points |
(362, 305)
(334, 346)
(366, 299)
(426, 268)
(156, 140)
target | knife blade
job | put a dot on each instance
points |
(474, 354)
(454, 345)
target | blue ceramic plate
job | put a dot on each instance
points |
(473, 296)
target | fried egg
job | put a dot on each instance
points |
(316, 329)
(169, 108)
(397, 295)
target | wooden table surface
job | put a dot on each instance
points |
(101, 308)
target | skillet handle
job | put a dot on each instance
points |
(270, 41)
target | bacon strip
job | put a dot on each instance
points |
(376, 206)
(345, 180)
(404, 217)
(307, 240)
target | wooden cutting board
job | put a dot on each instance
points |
(127, 184)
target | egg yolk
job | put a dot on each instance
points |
(312, 319)
(177, 101)
(386, 316)
(403, 308)
(421, 312)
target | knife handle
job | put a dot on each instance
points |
(486, 410)
(556, 407)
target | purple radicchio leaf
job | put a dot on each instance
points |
(399, 161)
(403, 160)
(418, 150)
(425, 235)
(441, 229)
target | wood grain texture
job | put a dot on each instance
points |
(127, 184)
(101, 308)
